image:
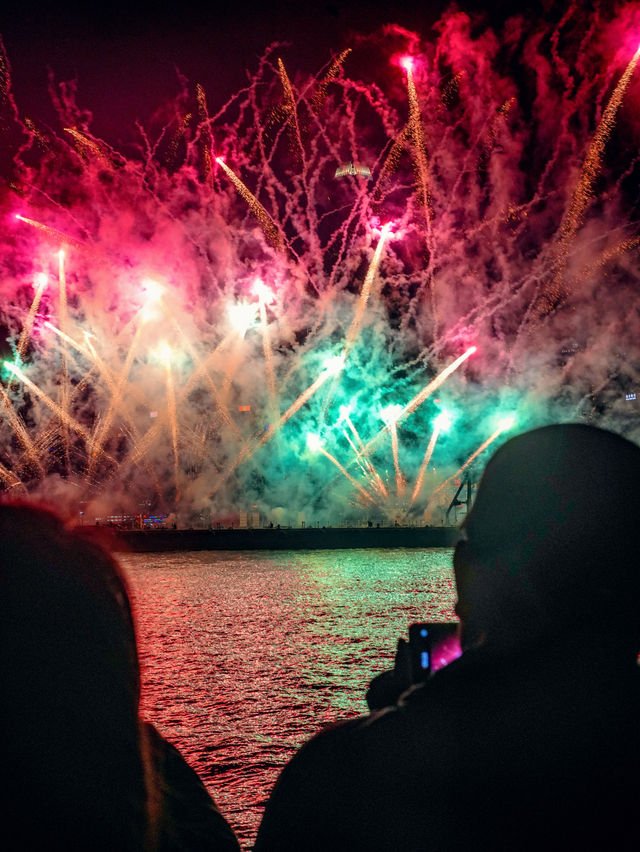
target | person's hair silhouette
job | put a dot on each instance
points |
(80, 769)
(551, 543)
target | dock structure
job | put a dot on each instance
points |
(283, 538)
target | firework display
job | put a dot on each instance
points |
(223, 315)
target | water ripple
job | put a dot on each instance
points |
(245, 655)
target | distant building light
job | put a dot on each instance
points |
(244, 408)
(249, 520)
(154, 520)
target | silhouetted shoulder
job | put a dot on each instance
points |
(481, 757)
(189, 820)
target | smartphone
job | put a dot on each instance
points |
(432, 646)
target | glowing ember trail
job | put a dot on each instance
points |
(361, 455)
(201, 371)
(290, 110)
(59, 412)
(64, 368)
(315, 444)
(440, 423)
(247, 451)
(390, 416)
(264, 296)
(401, 482)
(424, 394)
(356, 323)
(88, 145)
(9, 478)
(51, 233)
(433, 386)
(347, 475)
(583, 193)
(74, 343)
(206, 134)
(41, 283)
(269, 227)
(332, 73)
(474, 455)
(173, 419)
(360, 460)
(116, 388)
(18, 426)
(417, 136)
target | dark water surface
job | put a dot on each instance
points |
(245, 655)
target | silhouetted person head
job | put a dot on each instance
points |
(552, 539)
(73, 767)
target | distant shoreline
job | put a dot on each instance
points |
(283, 538)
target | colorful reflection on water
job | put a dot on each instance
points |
(245, 655)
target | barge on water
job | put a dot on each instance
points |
(284, 538)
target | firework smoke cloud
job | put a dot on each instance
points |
(283, 303)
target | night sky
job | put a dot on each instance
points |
(124, 55)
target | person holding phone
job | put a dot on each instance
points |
(531, 738)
